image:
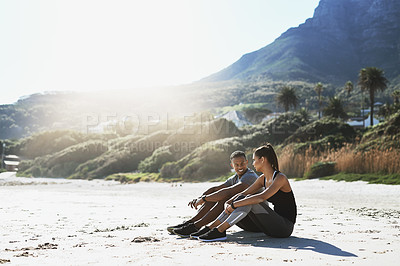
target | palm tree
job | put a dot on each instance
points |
(348, 87)
(287, 97)
(372, 79)
(396, 96)
(318, 89)
(335, 108)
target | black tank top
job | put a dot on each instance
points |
(284, 202)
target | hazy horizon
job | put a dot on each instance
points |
(123, 45)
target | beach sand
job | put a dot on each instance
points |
(78, 222)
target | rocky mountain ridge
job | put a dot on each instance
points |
(342, 37)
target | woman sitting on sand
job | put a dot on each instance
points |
(276, 223)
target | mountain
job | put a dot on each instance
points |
(342, 37)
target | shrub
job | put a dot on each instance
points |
(153, 163)
(320, 129)
(49, 142)
(274, 131)
(122, 157)
(347, 158)
(255, 139)
(321, 169)
(383, 136)
(325, 144)
(130, 178)
(64, 162)
(208, 161)
(170, 170)
(194, 135)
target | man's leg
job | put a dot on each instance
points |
(204, 209)
(194, 227)
(213, 234)
(211, 215)
(221, 218)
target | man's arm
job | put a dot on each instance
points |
(226, 193)
(211, 190)
(222, 194)
(214, 189)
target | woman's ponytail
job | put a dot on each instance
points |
(268, 152)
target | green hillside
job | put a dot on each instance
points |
(204, 154)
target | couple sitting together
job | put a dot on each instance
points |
(243, 200)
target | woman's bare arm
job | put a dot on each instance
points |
(277, 184)
(259, 183)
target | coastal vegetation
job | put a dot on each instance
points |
(307, 148)
(310, 133)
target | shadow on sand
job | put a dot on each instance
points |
(261, 240)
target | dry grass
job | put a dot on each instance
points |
(347, 160)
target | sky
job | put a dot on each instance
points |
(92, 45)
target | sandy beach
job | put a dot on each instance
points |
(79, 222)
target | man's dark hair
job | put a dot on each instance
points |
(237, 154)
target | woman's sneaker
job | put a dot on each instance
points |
(213, 235)
(200, 232)
(171, 228)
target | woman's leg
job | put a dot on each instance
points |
(271, 223)
(223, 216)
(236, 216)
(265, 218)
(247, 224)
(220, 219)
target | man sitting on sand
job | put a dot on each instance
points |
(213, 200)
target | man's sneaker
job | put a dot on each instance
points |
(186, 230)
(213, 235)
(171, 228)
(200, 232)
